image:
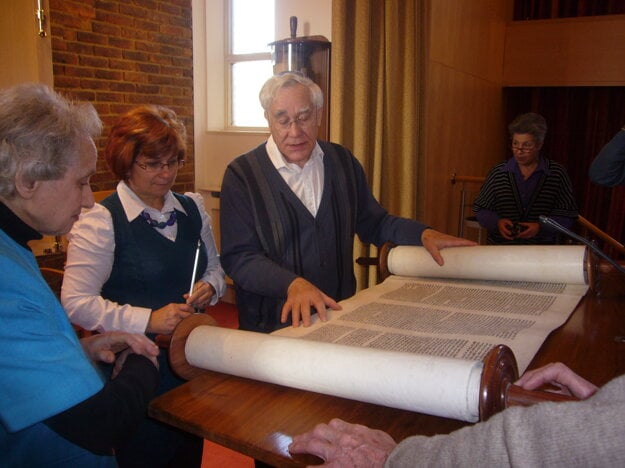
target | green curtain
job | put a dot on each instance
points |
(376, 82)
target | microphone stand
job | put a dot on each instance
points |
(558, 227)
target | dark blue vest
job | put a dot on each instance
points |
(149, 270)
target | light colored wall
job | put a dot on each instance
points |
(314, 18)
(463, 101)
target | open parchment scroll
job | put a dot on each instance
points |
(414, 343)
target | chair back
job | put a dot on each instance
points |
(468, 188)
(101, 195)
(54, 278)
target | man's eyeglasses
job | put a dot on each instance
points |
(157, 166)
(303, 120)
(524, 148)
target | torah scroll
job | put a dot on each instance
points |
(427, 384)
(538, 264)
(361, 352)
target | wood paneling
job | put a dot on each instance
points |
(468, 36)
(24, 55)
(463, 102)
(586, 51)
(464, 118)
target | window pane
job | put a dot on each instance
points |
(247, 79)
(252, 26)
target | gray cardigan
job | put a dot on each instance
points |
(587, 433)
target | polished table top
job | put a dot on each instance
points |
(259, 419)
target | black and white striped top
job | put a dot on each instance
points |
(553, 196)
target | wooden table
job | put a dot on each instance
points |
(259, 419)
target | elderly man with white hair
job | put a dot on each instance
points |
(290, 209)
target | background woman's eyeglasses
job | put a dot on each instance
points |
(157, 166)
(523, 148)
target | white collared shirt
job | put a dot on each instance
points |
(305, 182)
(133, 206)
(91, 254)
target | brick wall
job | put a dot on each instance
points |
(118, 54)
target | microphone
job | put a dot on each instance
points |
(558, 227)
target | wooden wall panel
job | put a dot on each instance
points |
(25, 56)
(469, 36)
(585, 51)
(464, 121)
(463, 101)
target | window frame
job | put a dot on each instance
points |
(230, 60)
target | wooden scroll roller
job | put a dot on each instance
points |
(604, 278)
(178, 341)
(163, 341)
(570, 264)
(496, 389)
(590, 269)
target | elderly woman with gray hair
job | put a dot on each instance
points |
(55, 407)
(516, 192)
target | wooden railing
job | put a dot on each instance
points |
(588, 229)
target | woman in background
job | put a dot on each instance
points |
(516, 192)
(131, 258)
(55, 407)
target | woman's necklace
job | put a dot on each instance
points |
(162, 224)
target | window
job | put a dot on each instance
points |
(219, 70)
(248, 62)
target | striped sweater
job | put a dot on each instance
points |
(553, 196)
